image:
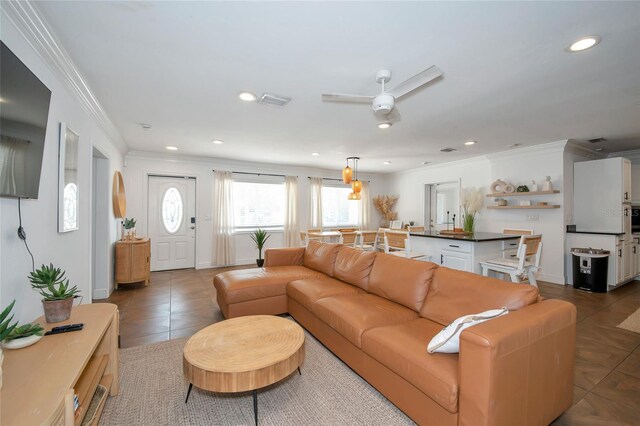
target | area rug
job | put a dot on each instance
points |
(153, 390)
(632, 323)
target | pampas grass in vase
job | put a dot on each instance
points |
(472, 199)
(384, 204)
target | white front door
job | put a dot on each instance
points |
(172, 222)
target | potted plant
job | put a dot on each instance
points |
(130, 227)
(260, 237)
(5, 329)
(58, 295)
(471, 204)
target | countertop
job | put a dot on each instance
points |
(475, 237)
(595, 232)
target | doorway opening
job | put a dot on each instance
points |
(101, 269)
(441, 203)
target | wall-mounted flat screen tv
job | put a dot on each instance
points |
(24, 109)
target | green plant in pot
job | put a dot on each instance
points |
(5, 329)
(58, 294)
(260, 237)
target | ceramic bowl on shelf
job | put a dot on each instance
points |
(22, 342)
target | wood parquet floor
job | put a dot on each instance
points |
(607, 373)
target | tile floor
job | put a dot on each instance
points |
(607, 373)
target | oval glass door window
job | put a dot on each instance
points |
(172, 210)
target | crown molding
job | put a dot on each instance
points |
(545, 148)
(575, 148)
(633, 155)
(33, 28)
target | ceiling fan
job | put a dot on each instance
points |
(383, 104)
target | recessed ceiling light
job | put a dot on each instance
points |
(387, 162)
(513, 145)
(470, 143)
(584, 43)
(315, 154)
(217, 141)
(426, 162)
(598, 149)
(171, 148)
(384, 125)
(145, 126)
(247, 96)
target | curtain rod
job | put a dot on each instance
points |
(258, 174)
(339, 180)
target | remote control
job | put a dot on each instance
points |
(63, 327)
(65, 330)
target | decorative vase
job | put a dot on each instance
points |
(57, 310)
(384, 223)
(533, 187)
(498, 186)
(547, 185)
(260, 262)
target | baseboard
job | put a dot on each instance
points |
(551, 278)
(204, 265)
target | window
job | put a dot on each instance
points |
(258, 205)
(336, 209)
(172, 210)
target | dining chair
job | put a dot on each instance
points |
(526, 263)
(398, 244)
(510, 247)
(379, 245)
(415, 228)
(348, 239)
(511, 231)
(367, 240)
(314, 230)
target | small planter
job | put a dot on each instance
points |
(57, 310)
(260, 262)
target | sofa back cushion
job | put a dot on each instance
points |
(454, 293)
(353, 266)
(404, 281)
(321, 257)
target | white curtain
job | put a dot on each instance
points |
(315, 203)
(224, 252)
(364, 210)
(291, 226)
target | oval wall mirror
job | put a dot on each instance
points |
(119, 197)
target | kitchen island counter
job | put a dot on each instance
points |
(476, 237)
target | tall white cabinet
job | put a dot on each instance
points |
(602, 196)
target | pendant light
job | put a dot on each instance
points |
(347, 173)
(356, 185)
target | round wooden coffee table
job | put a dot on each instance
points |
(243, 354)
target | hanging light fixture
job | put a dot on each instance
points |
(347, 173)
(356, 185)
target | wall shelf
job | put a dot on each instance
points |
(519, 194)
(524, 207)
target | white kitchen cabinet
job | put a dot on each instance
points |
(628, 261)
(636, 255)
(601, 192)
(456, 260)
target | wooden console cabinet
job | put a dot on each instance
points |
(39, 381)
(133, 261)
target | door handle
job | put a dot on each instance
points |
(193, 227)
(441, 259)
(620, 253)
(626, 195)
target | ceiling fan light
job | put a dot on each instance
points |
(347, 175)
(584, 43)
(384, 125)
(356, 186)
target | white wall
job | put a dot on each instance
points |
(518, 166)
(138, 166)
(70, 251)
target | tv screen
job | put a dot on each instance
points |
(24, 109)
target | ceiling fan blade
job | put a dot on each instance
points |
(416, 81)
(343, 97)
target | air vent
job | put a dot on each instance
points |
(596, 140)
(271, 99)
(447, 150)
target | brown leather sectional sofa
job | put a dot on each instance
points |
(377, 312)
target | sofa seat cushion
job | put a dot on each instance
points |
(257, 283)
(403, 349)
(306, 292)
(454, 293)
(352, 315)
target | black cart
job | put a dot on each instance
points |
(590, 267)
